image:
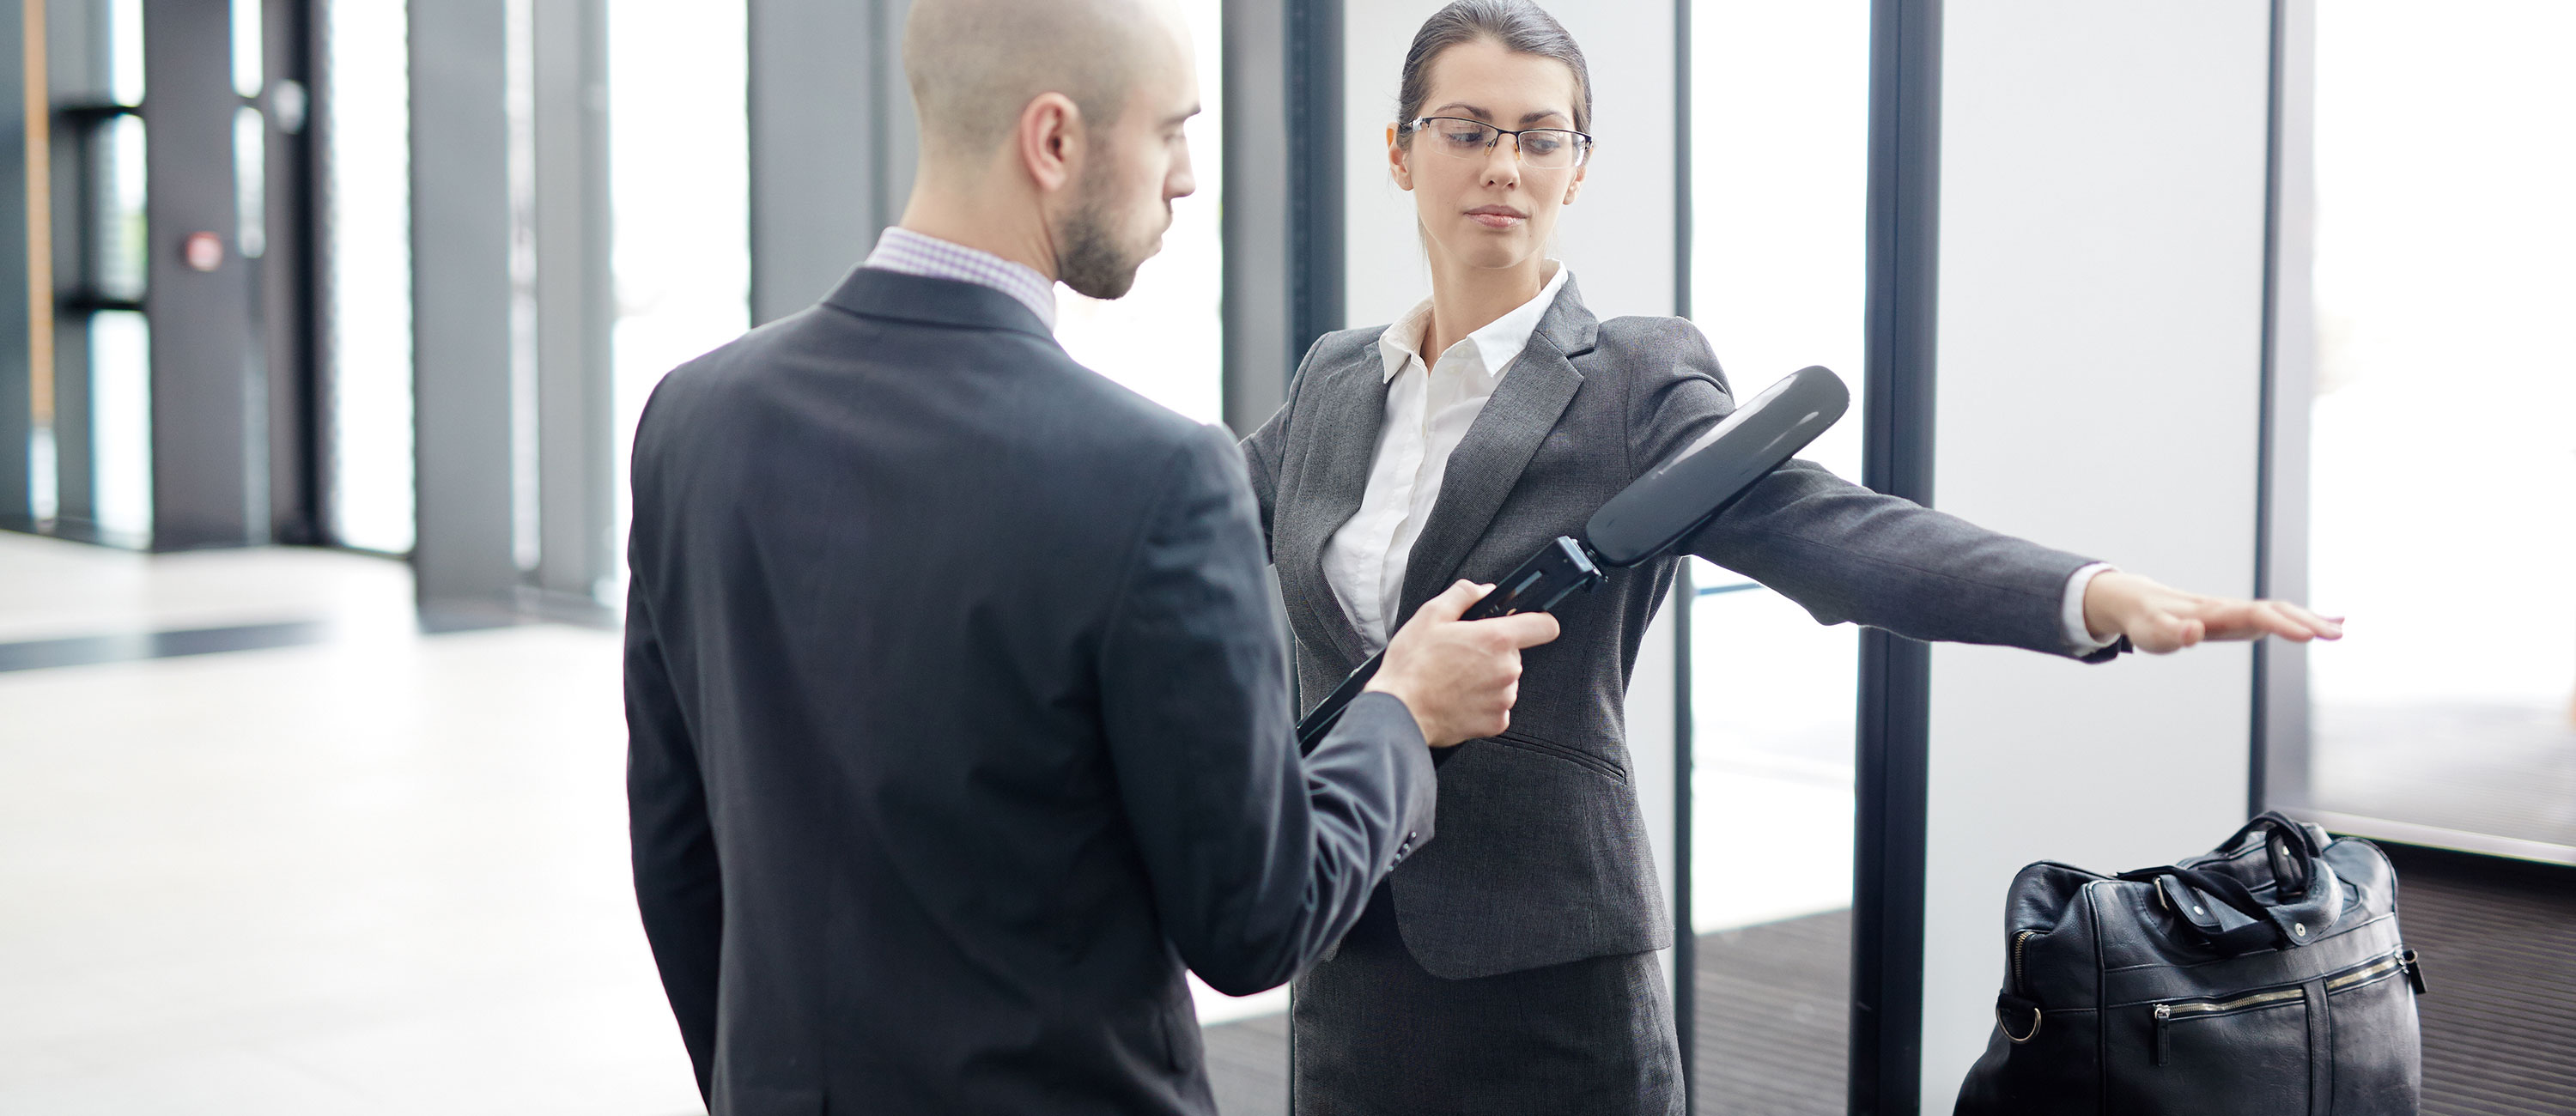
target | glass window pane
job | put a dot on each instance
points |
(1778, 277)
(120, 354)
(679, 184)
(2444, 463)
(367, 292)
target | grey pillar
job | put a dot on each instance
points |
(511, 305)
(2281, 742)
(461, 303)
(287, 273)
(1283, 205)
(209, 399)
(833, 142)
(574, 302)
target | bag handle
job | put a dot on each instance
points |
(2262, 929)
(2281, 838)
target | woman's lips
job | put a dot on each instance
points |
(1497, 217)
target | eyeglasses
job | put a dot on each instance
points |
(1545, 148)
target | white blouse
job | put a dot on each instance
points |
(1428, 410)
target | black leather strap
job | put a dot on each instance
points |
(2288, 845)
(2265, 930)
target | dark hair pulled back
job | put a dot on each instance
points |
(1518, 25)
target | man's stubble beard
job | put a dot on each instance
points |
(1093, 263)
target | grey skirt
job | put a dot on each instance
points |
(1375, 1035)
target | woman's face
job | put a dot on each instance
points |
(1490, 210)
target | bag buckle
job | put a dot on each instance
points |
(2008, 1006)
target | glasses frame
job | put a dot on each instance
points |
(1582, 140)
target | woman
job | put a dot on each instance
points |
(1508, 966)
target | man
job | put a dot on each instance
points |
(957, 703)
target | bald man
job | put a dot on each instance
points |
(957, 705)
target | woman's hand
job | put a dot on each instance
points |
(2160, 619)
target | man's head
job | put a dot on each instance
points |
(1070, 112)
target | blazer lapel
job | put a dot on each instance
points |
(1339, 450)
(1489, 460)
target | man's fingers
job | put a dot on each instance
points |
(1527, 629)
(1452, 602)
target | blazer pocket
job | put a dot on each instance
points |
(1589, 761)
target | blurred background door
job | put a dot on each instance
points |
(160, 386)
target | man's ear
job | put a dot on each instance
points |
(1395, 161)
(1049, 141)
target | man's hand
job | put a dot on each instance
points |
(1459, 677)
(2159, 619)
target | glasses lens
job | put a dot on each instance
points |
(1464, 138)
(1547, 147)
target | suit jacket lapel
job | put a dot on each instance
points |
(1340, 449)
(1489, 460)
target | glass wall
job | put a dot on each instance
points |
(1779, 186)
(2444, 458)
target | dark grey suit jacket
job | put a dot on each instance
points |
(1543, 856)
(959, 722)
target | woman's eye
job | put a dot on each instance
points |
(1463, 137)
(1541, 145)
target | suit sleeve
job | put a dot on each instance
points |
(677, 884)
(1266, 450)
(1259, 859)
(1848, 554)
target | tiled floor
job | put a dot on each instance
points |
(379, 876)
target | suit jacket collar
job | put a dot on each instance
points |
(1481, 472)
(1488, 461)
(876, 293)
(1353, 392)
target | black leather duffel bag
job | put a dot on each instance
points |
(2267, 977)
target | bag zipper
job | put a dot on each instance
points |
(2021, 939)
(2167, 1013)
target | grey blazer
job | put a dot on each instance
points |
(1542, 857)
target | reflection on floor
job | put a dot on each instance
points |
(2504, 770)
(53, 590)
